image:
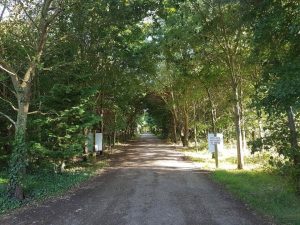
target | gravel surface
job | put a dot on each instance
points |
(148, 183)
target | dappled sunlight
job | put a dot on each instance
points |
(174, 164)
(150, 154)
(227, 160)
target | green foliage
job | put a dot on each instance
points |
(159, 115)
(276, 50)
(277, 139)
(61, 135)
(42, 184)
(276, 42)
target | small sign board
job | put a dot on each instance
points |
(98, 142)
(215, 140)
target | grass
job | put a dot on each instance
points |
(269, 193)
(258, 185)
(227, 159)
(44, 184)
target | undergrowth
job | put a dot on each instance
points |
(42, 184)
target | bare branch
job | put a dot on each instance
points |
(42, 113)
(34, 112)
(9, 118)
(14, 77)
(7, 70)
(43, 30)
(3, 10)
(27, 14)
(57, 66)
(237, 41)
(6, 67)
(11, 104)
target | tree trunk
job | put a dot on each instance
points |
(62, 166)
(18, 161)
(213, 115)
(185, 137)
(114, 138)
(212, 111)
(86, 143)
(238, 128)
(260, 128)
(242, 116)
(195, 127)
(244, 139)
(236, 85)
(174, 126)
(175, 118)
(114, 131)
(109, 140)
(294, 145)
(293, 136)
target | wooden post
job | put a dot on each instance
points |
(216, 153)
(195, 128)
(94, 145)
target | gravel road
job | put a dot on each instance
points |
(147, 184)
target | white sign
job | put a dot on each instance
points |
(98, 142)
(215, 140)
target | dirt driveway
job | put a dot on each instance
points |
(148, 184)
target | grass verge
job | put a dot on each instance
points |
(268, 193)
(41, 185)
(259, 185)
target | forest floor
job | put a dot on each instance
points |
(43, 183)
(147, 183)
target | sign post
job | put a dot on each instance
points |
(216, 151)
(215, 143)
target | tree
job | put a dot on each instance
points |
(227, 38)
(30, 24)
(277, 48)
